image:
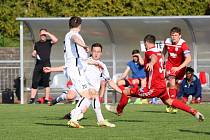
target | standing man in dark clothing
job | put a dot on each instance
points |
(41, 52)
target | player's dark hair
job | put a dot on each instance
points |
(176, 30)
(74, 22)
(43, 29)
(135, 52)
(96, 45)
(189, 70)
(149, 38)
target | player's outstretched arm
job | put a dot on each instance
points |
(53, 69)
(114, 86)
(93, 62)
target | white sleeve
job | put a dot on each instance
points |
(70, 36)
(105, 73)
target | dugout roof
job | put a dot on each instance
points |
(119, 36)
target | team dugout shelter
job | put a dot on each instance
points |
(118, 36)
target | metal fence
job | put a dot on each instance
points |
(9, 70)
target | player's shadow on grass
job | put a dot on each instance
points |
(127, 121)
(51, 118)
(193, 131)
(53, 124)
(152, 111)
(56, 118)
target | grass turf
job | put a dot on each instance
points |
(145, 122)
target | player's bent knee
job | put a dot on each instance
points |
(169, 101)
(90, 93)
(135, 81)
(71, 95)
(121, 82)
(172, 81)
(84, 109)
(85, 94)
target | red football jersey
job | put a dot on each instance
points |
(155, 78)
(176, 52)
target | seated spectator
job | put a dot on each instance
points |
(136, 66)
(190, 89)
(138, 78)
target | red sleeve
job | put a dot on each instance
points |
(185, 48)
(145, 58)
(148, 56)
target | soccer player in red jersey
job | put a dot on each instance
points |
(156, 84)
(178, 58)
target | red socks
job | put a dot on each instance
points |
(178, 104)
(122, 103)
(172, 93)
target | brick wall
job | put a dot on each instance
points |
(8, 71)
(9, 54)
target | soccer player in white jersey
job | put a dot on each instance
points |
(75, 56)
(93, 73)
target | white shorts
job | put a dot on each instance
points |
(77, 97)
(77, 77)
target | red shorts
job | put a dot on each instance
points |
(129, 81)
(179, 74)
(161, 93)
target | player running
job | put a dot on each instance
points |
(178, 58)
(156, 83)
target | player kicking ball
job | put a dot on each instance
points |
(94, 72)
(156, 84)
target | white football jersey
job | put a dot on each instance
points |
(73, 50)
(94, 75)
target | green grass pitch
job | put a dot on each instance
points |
(142, 122)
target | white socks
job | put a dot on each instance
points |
(62, 97)
(83, 104)
(97, 108)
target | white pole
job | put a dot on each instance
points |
(114, 58)
(114, 67)
(195, 58)
(21, 64)
(113, 72)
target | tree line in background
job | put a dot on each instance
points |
(10, 9)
